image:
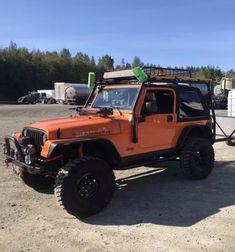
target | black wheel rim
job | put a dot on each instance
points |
(87, 186)
(201, 158)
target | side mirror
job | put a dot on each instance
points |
(151, 108)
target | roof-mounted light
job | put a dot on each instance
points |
(136, 72)
(119, 74)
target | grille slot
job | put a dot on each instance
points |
(36, 138)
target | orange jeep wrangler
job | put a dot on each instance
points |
(125, 123)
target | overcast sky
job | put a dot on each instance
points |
(169, 33)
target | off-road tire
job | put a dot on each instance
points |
(37, 182)
(230, 142)
(197, 158)
(75, 195)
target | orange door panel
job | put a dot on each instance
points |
(157, 131)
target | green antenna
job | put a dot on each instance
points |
(91, 79)
(140, 74)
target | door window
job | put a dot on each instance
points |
(164, 100)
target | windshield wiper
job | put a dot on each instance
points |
(118, 109)
(105, 111)
(85, 111)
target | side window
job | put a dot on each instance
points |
(190, 105)
(162, 99)
(165, 102)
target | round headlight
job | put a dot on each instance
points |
(24, 132)
(44, 138)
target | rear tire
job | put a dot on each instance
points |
(197, 158)
(38, 182)
(85, 186)
(51, 101)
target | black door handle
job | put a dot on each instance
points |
(170, 118)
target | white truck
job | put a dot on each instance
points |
(47, 96)
(71, 93)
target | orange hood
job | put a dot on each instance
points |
(77, 126)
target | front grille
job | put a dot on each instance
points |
(35, 138)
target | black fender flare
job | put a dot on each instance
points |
(202, 131)
(55, 148)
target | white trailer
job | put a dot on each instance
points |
(71, 93)
(227, 83)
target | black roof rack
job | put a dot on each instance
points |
(155, 74)
(160, 72)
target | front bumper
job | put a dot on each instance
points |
(15, 155)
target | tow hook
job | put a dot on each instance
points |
(21, 172)
(7, 161)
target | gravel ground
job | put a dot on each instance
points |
(153, 209)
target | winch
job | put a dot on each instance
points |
(28, 150)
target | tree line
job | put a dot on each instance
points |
(22, 70)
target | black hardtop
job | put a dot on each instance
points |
(176, 87)
(181, 88)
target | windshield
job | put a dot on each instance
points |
(122, 98)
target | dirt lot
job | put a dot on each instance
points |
(154, 208)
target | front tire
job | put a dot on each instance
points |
(197, 158)
(85, 186)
